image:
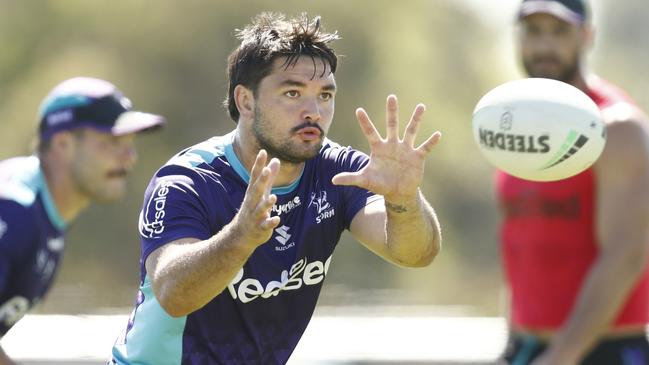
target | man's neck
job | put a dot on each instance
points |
(288, 172)
(579, 81)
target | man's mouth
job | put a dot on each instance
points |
(545, 62)
(309, 133)
(117, 173)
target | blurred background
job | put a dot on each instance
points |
(169, 58)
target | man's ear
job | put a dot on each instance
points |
(63, 144)
(589, 36)
(245, 101)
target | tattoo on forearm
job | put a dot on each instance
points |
(396, 208)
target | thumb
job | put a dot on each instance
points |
(347, 178)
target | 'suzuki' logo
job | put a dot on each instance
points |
(283, 237)
(282, 234)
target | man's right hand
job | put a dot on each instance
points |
(187, 273)
(253, 220)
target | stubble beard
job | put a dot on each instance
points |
(286, 151)
(566, 74)
(98, 192)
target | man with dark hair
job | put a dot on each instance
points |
(237, 232)
(86, 149)
(575, 250)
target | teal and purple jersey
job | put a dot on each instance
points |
(261, 315)
(31, 238)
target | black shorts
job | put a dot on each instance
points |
(634, 350)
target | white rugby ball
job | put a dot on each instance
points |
(539, 129)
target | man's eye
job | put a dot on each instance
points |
(562, 31)
(326, 96)
(292, 93)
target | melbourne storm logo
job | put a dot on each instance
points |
(324, 210)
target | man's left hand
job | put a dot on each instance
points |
(396, 166)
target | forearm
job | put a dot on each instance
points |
(603, 293)
(412, 231)
(191, 274)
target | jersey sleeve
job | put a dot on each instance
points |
(16, 238)
(173, 209)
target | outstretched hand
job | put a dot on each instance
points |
(254, 216)
(396, 166)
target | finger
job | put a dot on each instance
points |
(270, 223)
(273, 170)
(349, 178)
(367, 127)
(263, 210)
(260, 188)
(260, 161)
(413, 125)
(256, 192)
(392, 118)
(428, 144)
(265, 205)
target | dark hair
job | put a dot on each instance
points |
(268, 37)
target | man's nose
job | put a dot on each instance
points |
(312, 111)
(128, 154)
